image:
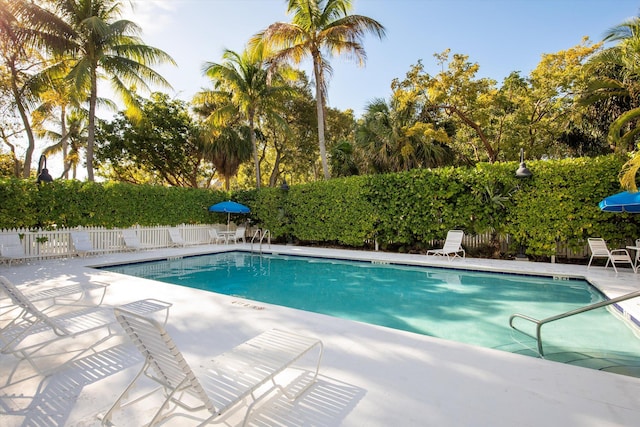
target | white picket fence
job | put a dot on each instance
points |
(57, 243)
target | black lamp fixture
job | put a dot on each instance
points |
(284, 186)
(523, 171)
(43, 172)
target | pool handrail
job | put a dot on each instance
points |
(261, 234)
(540, 323)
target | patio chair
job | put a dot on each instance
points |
(238, 235)
(452, 246)
(599, 249)
(216, 237)
(176, 238)
(71, 293)
(83, 245)
(11, 249)
(221, 384)
(132, 242)
(15, 337)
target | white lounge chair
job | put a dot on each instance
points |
(132, 241)
(238, 235)
(176, 238)
(452, 246)
(599, 249)
(83, 245)
(69, 293)
(11, 249)
(16, 336)
(216, 237)
(224, 382)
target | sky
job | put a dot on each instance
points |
(500, 35)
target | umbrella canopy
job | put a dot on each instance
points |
(621, 202)
(229, 207)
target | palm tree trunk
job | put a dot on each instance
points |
(65, 141)
(320, 110)
(93, 98)
(254, 147)
(26, 167)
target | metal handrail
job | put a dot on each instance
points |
(540, 323)
(261, 234)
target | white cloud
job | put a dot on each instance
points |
(152, 16)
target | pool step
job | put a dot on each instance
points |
(622, 364)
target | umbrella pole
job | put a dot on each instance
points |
(228, 220)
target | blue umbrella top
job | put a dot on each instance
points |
(229, 207)
(621, 202)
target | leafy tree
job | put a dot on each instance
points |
(461, 95)
(549, 106)
(164, 146)
(6, 165)
(104, 46)
(320, 26)
(243, 81)
(71, 141)
(343, 160)
(27, 32)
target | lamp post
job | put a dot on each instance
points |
(43, 172)
(522, 172)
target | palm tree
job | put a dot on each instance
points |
(618, 78)
(70, 140)
(228, 149)
(105, 47)
(248, 88)
(319, 26)
(395, 140)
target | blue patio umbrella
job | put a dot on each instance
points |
(229, 207)
(621, 202)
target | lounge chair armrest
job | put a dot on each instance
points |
(620, 251)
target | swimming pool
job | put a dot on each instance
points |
(465, 306)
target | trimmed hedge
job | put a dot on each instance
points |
(401, 211)
(70, 203)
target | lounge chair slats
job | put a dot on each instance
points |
(226, 381)
(32, 320)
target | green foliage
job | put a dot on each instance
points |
(72, 203)
(163, 146)
(559, 203)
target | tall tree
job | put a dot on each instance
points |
(396, 140)
(317, 27)
(244, 81)
(621, 80)
(70, 140)
(106, 47)
(27, 32)
(164, 143)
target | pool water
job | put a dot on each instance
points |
(459, 305)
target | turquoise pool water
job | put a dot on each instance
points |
(465, 306)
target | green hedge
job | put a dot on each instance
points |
(401, 211)
(69, 203)
(558, 204)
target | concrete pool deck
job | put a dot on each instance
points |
(370, 375)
